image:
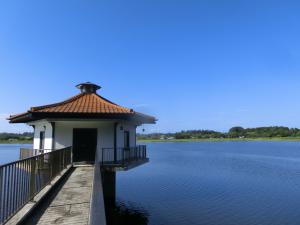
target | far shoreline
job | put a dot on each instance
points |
(187, 140)
(221, 139)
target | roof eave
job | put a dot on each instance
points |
(33, 116)
(144, 119)
(24, 118)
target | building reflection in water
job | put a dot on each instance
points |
(126, 214)
(117, 212)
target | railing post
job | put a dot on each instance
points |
(115, 154)
(64, 159)
(60, 161)
(1, 194)
(123, 156)
(50, 167)
(32, 178)
(143, 152)
(140, 152)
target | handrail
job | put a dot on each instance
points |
(28, 152)
(123, 155)
(22, 180)
(21, 160)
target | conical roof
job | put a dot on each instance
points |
(86, 105)
(83, 103)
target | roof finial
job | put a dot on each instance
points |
(88, 87)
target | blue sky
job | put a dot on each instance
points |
(194, 64)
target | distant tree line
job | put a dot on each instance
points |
(13, 136)
(234, 132)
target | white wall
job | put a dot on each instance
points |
(120, 134)
(42, 125)
(105, 132)
(64, 133)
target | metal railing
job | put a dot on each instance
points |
(30, 152)
(22, 180)
(123, 155)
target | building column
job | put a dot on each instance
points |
(53, 135)
(115, 141)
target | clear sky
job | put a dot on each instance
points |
(194, 64)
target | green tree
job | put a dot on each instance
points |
(235, 132)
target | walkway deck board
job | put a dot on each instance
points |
(71, 203)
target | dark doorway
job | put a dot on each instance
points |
(126, 139)
(42, 140)
(84, 145)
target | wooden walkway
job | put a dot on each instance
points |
(70, 203)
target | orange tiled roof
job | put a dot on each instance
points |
(87, 104)
(83, 103)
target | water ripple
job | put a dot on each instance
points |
(230, 183)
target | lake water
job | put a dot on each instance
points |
(11, 152)
(213, 183)
(208, 183)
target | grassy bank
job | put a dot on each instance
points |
(16, 142)
(183, 140)
(225, 139)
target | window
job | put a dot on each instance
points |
(126, 139)
(42, 139)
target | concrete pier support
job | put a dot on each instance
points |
(109, 188)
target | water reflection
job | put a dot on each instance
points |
(119, 212)
(126, 214)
